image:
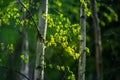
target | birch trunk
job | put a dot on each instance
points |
(82, 59)
(24, 62)
(40, 51)
(97, 33)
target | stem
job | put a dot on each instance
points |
(15, 71)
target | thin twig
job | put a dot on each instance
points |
(4, 67)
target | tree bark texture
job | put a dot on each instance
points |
(24, 62)
(40, 50)
(24, 69)
(82, 59)
(98, 46)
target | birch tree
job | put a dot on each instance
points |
(25, 56)
(82, 59)
(98, 46)
(40, 50)
(24, 69)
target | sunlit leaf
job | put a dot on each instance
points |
(62, 68)
(10, 47)
(58, 67)
(22, 56)
(2, 46)
(87, 50)
(26, 60)
(0, 60)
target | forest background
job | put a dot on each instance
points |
(62, 39)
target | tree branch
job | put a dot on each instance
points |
(39, 35)
(4, 67)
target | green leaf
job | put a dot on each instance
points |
(0, 60)
(22, 56)
(15, 9)
(87, 50)
(63, 68)
(50, 65)
(2, 46)
(82, 1)
(58, 67)
(26, 60)
(10, 47)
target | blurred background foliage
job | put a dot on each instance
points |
(63, 34)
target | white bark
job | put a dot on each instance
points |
(24, 64)
(25, 49)
(40, 51)
(82, 59)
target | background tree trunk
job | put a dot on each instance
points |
(97, 41)
(24, 69)
(40, 51)
(82, 59)
(24, 52)
(25, 62)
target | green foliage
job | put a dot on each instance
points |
(108, 16)
(2, 46)
(71, 76)
(62, 45)
(10, 48)
(86, 7)
(0, 60)
(63, 34)
(22, 56)
(26, 60)
(111, 15)
(87, 50)
(66, 7)
(8, 12)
